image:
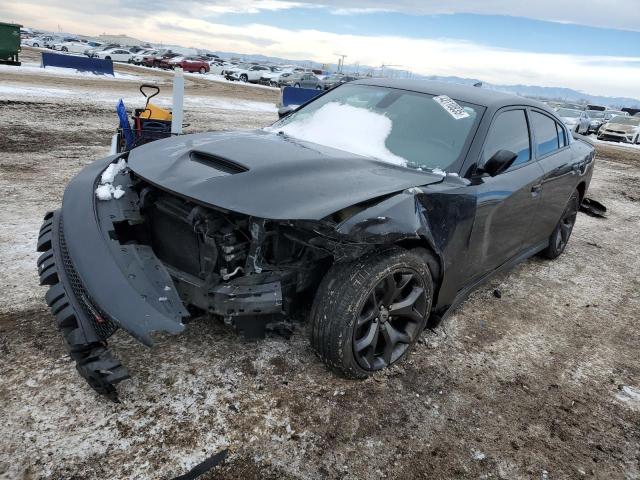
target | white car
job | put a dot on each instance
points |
(62, 42)
(115, 54)
(216, 67)
(78, 47)
(39, 42)
(248, 73)
(139, 57)
(576, 120)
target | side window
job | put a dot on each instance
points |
(562, 136)
(546, 133)
(509, 132)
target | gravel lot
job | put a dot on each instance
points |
(543, 382)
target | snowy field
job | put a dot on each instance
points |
(543, 382)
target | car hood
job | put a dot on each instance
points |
(267, 175)
(622, 127)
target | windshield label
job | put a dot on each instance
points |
(452, 108)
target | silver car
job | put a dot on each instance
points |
(576, 120)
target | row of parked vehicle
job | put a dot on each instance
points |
(233, 70)
(607, 124)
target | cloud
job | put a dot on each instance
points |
(603, 75)
(617, 14)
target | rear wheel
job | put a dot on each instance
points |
(64, 49)
(367, 314)
(203, 70)
(560, 236)
(36, 45)
(297, 85)
(107, 57)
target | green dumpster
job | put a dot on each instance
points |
(9, 43)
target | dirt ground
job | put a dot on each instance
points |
(541, 383)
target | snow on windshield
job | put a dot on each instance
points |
(345, 127)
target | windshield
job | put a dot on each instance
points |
(566, 112)
(397, 126)
(626, 120)
(594, 114)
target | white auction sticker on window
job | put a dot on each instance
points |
(452, 107)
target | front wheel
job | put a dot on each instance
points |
(244, 78)
(64, 49)
(203, 70)
(368, 313)
(36, 45)
(560, 235)
(297, 85)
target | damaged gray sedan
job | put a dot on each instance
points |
(372, 211)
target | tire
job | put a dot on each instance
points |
(561, 234)
(36, 45)
(297, 85)
(244, 78)
(202, 70)
(353, 326)
(64, 49)
(107, 57)
(318, 87)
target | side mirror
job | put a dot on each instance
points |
(500, 162)
(286, 111)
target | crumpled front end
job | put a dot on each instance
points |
(98, 283)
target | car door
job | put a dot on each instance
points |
(552, 149)
(508, 204)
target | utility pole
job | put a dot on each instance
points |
(340, 61)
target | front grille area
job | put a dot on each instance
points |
(105, 328)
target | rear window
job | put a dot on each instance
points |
(546, 133)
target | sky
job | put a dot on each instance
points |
(587, 45)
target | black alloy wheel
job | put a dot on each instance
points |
(560, 236)
(390, 319)
(368, 313)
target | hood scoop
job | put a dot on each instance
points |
(221, 164)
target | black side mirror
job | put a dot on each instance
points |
(285, 111)
(500, 162)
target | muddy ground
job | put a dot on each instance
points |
(543, 382)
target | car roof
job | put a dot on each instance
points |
(463, 93)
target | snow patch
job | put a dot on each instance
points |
(345, 127)
(106, 190)
(109, 175)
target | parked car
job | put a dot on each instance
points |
(302, 80)
(93, 51)
(39, 42)
(388, 201)
(597, 119)
(621, 129)
(115, 54)
(217, 67)
(246, 73)
(78, 47)
(576, 120)
(191, 64)
(63, 41)
(160, 59)
(333, 81)
(138, 58)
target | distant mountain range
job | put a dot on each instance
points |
(532, 91)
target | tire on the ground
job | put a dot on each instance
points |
(341, 295)
(552, 252)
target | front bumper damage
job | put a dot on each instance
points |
(98, 284)
(101, 281)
